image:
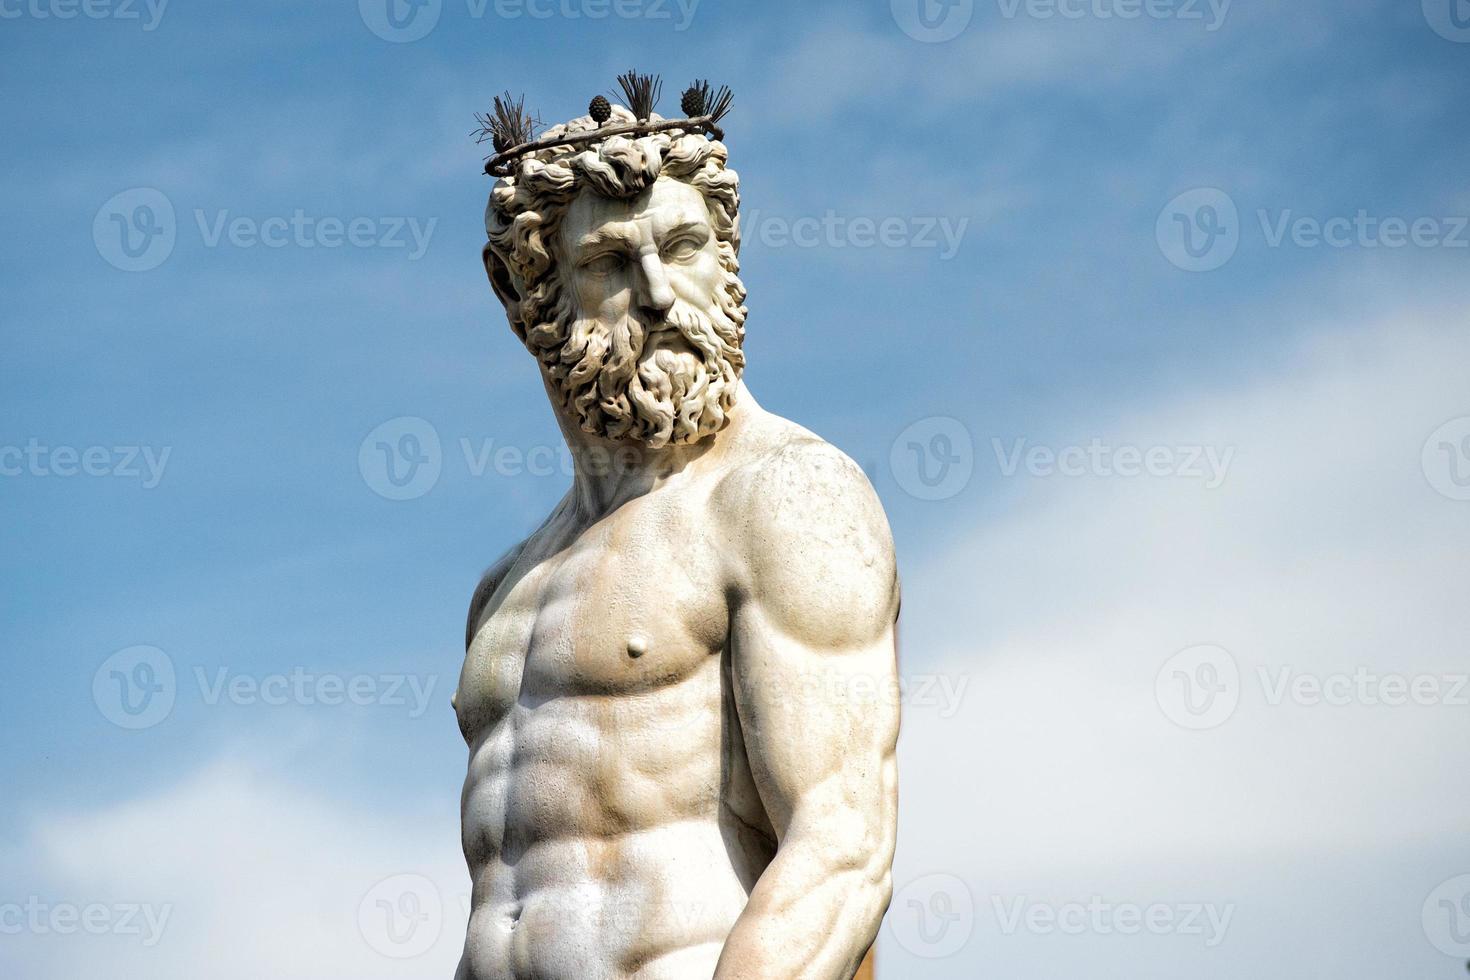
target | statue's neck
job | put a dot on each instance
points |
(608, 473)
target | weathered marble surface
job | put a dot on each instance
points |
(680, 692)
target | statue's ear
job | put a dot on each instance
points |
(501, 282)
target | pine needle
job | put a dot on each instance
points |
(642, 93)
(703, 100)
(508, 125)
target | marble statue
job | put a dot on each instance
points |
(680, 693)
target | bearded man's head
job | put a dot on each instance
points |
(618, 264)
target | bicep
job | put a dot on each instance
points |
(819, 724)
(815, 674)
(814, 677)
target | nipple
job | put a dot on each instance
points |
(637, 646)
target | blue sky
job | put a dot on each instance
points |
(1036, 173)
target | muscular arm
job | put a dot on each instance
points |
(485, 591)
(815, 682)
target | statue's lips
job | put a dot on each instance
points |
(667, 336)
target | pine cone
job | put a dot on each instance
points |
(693, 103)
(600, 110)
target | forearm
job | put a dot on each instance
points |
(812, 915)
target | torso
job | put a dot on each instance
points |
(610, 823)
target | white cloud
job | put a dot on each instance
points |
(251, 877)
(1325, 550)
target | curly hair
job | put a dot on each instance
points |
(524, 216)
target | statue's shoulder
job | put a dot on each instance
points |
(496, 574)
(485, 591)
(772, 452)
(807, 525)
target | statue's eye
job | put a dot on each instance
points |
(683, 248)
(605, 264)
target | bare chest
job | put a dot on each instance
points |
(629, 607)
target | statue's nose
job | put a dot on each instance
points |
(657, 296)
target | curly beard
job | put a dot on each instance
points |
(659, 384)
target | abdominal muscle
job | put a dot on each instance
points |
(606, 910)
(599, 842)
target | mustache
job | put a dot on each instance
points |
(629, 377)
(637, 334)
